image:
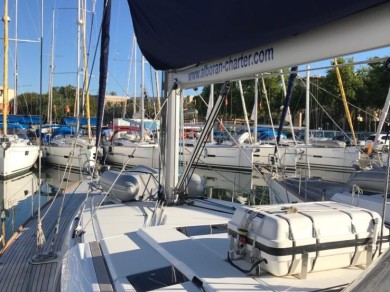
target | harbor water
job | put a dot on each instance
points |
(20, 197)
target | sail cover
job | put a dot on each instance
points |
(175, 34)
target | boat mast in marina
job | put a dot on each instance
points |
(17, 154)
(5, 68)
(50, 95)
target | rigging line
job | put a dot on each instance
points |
(192, 170)
(151, 80)
(56, 226)
(105, 196)
(40, 235)
(91, 27)
(264, 91)
(67, 171)
(232, 138)
(338, 97)
(364, 62)
(123, 167)
(206, 130)
(86, 97)
(130, 69)
(319, 104)
(32, 17)
(89, 45)
(154, 120)
(54, 238)
(117, 82)
(204, 144)
(276, 157)
(328, 115)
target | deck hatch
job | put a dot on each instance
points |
(203, 230)
(156, 279)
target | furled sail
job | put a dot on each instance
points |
(104, 52)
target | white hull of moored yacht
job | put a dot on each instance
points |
(80, 156)
(17, 157)
(221, 156)
(265, 154)
(131, 154)
(337, 159)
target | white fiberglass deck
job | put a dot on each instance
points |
(132, 250)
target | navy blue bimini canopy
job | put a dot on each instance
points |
(174, 34)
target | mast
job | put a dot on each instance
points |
(307, 110)
(16, 59)
(5, 77)
(209, 108)
(143, 93)
(135, 76)
(346, 108)
(50, 103)
(85, 71)
(255, 109)
(77, 100)
(170, 126)
(157, 91)
(128, 78)
(245, 111)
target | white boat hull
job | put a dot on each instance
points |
(81, 156)
(221, 156)
(330, 158)
(131, 154)
(17, 157)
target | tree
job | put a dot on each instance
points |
(330, 96)
(376, 79)
(232, 107)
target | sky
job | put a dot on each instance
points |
(121, 60)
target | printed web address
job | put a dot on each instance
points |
(245, 60)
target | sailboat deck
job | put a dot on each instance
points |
(134, 252)
(207, 261)
(17, 272)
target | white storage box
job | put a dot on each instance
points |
(305, 237)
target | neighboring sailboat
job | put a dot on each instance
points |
(17, 153)
(326, 155)
(67, 147)
(123, 151)
(217, 153)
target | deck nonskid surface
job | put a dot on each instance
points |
(17, 273)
